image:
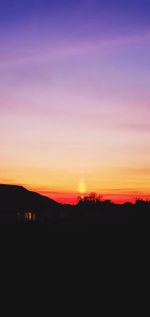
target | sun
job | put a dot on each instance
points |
(82, 187)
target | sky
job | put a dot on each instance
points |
(75, 97)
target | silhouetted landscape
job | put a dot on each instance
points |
(20, 206)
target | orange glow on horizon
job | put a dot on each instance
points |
(69, 193)
(72, 198)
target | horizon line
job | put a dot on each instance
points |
(78, 196)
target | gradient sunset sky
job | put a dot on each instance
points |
(75, 97)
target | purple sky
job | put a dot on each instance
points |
(75, 94)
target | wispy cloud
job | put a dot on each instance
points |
(52, 51)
